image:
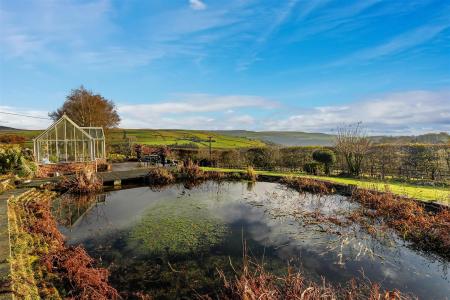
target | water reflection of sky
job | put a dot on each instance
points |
(262, 213)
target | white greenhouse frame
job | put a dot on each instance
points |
(64, 142)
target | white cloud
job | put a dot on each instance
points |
(194, 111)
(402, 113)
(411, 112)
(36, 121)
(197, 5)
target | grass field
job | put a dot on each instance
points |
(162, 137)
(285, 138)
(423, 193)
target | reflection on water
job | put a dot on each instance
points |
(171, 242)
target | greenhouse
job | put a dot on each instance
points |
(65, 141)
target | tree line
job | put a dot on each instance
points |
(410, 161)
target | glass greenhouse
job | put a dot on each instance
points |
(65, 141)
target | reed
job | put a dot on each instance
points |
(427, 230)
(251, 174)
(253, 282)
(308, 185)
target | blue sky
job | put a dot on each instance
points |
(257, 65)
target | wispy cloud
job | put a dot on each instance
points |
(397, 44)
(197, 4)
(279, 18)
(328, 19)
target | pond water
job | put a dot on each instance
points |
(170, 242)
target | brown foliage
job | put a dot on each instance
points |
(12, 139)
(83, 182)
(88, 109)
(72, 266)
(428, 231)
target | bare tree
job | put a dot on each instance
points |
(353, 144)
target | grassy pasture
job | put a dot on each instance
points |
(424, 193)
(162, 137)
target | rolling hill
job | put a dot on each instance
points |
(285, 138)
(182, 138)
(227, 139)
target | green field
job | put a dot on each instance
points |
(423, 193)
(162, 137)
(285, 138)
(182, 138)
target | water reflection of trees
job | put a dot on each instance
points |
(69, 208)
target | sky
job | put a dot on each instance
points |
(256, 65)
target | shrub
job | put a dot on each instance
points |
(251, 174)
(13, 159)
(313, 168)
(160, 176)
(262, 157)
(116, 157)
(326, 157)
(12, 139)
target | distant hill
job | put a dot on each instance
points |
(298, 138)
(6, 128)
(285, 138)
(428, 138)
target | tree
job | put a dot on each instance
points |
(262, 157)
(326, 157)
(353, 144)
(88, 109)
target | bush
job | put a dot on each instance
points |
(262, 157)
(116, 157)
(12, 139)
(326, 157)
(14, 160)
(313, 168)
(160, 176)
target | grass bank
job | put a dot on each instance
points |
(423, 193)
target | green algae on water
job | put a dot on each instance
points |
(177, 228)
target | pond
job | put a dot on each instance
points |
(170, 242)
